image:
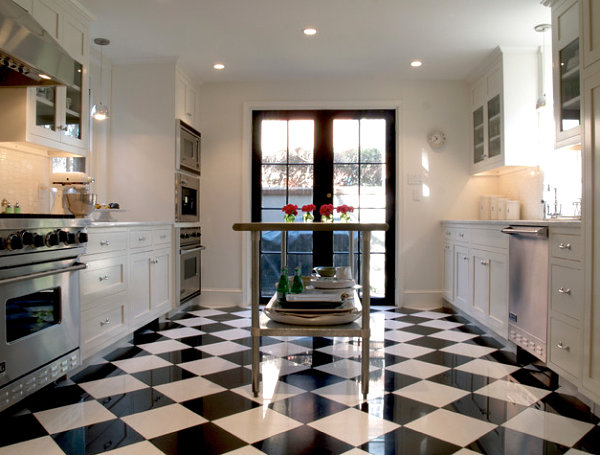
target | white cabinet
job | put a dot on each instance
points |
(128, 282)
(590, 31)
(478, 272)
(25, 4)
(503, 97)
(186, 100)
(54, 118)
(566, 72)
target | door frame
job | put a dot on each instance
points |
(246, 214)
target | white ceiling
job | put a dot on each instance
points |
(262, 40)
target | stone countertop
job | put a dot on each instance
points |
(556, 222)
(128, 223)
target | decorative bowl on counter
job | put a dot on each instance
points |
(81, 204)
(327, 271)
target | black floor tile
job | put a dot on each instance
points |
(421, 330)
(406, 441)
(230, 379)
(504, 441)
(95, 372)
(461, 380)
(485, 408)
(411, 319)
(211, 328)
(264, 341)
(303, 440)
(446, 359)
(590, 442)
(307, 407)
(184, 355)
(205, 439)
(97, 438)
(396, 409)
(14, 429)
(392, 381)
(218, 405)
(128, 352)
(311, 379)
(432, 343)
(568, 406)
(200, 340)
(223, 317)
(163, 375)
(133, 402)
(241, 358)
(54, 397)
(147, 337)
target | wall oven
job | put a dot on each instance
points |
(189, 263)
(187, 197)
(188, 148)
(39, 303)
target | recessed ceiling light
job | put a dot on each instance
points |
(416, 63)
(219, 66)
(310, 31)
(45, 76)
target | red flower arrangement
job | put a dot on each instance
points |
(326, 210)
(309, 208)
(345, 209)
(308, 216)
(290, 209)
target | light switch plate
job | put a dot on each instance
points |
(414, 179)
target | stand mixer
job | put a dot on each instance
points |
(69, 183)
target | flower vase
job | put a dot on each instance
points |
(289, 218)
(345, 217)
(308, 217)
(327, 218)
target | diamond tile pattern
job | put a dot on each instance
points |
(438, 384)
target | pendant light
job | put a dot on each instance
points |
(541, 101)
(100, 110)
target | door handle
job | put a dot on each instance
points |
(562, 346)
(562, 290)
(564, 246)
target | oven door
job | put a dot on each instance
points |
(189, 262)
(39, 319)
(187, 198)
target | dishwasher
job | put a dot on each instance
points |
(528, 288)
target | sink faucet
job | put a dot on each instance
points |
(557, 207)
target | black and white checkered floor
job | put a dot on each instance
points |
(439, 385)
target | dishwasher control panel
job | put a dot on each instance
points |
(528, 342)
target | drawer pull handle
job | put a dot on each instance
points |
(103, 278)
(461, 234)
(484, 262)
(564, 291)
(104, 242)
(141, 238)
(564, 347)
(564, 246)
(105, 322)
(154, 261)
(163, 236)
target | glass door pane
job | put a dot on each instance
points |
(478, 141)
(74, 106)
(570, 105)
(494, 127)
(45, 107)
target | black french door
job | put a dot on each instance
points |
(325, 157)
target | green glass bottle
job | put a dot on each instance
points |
(283, 287)
(297, 284)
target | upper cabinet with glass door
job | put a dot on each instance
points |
(504, 120)
(566, 72)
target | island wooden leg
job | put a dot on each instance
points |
(255, 311)
(366, 309)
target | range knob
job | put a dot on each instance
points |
(62, 236)
(26, 237)
(38, 241)
(71, 238)
(185, 236)
(14, 242)
(82, 237)
(196, 234)
(2, 243)
(52, 239)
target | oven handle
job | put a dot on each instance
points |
(192, 250)
(73, 268)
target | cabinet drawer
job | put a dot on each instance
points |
(565, 350)
(565, 246)
(161, 237)
(490, 238)
(461, 234)
(566, 291)
(103, 277)
(99, 324)
(105, 241)
(140, 238)
(447, 234)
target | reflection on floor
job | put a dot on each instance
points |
(439, 385)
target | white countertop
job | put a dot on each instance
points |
(129, 223)
(556, 222)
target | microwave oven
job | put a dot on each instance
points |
(187, 148)
(187, 197)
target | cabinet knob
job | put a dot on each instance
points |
(154, 261)
(484, 262)
(562, 346)
(105, 322)
(141, 238)
(564, 246)
(103, 278)
(461, 235)
(104, 242)
(562, 290)
(465, 258)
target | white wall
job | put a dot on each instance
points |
(424, 105)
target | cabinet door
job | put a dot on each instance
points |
(160, 280)
(45, 111)
(139, 287)
(180, 84)
(591, 143)
(498, 297)
(25, 4)
(448, 272)
(462, 282)
(481, 282)
(590, 23)
(48, 16)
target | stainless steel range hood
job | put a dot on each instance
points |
(28, 52)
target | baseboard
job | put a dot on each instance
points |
(220, 298)
(423, 299)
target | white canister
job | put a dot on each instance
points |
(501, 211)
(513, 210)
(484, 207)
(494, 207)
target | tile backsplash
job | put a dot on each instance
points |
(526, 186)
(24, 178)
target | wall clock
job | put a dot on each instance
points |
(436, 138)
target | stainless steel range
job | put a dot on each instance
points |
(189, 262)
(39, 301)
